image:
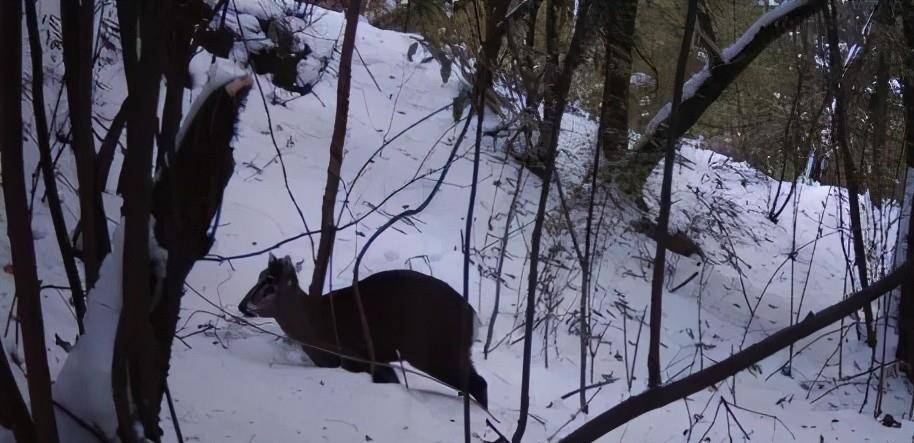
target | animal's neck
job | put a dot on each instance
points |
(300, 316)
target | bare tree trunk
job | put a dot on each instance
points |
(655, 398)
(879, 104)
(653, 353)
(47, 167)
(77, 31)
(531, 79)
(337, 141)
(132, 371)
(556, 87)
(494, 13)
(905, 350)
(617, 71)
(850, 171)
(18, 228)
(501, 259)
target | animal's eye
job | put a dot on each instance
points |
(269, 279)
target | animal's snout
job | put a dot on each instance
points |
(248, 306)
(245, 309)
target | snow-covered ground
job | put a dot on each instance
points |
(236, 383)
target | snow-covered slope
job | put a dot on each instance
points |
(237, 383)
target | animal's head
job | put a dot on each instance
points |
(276, 281)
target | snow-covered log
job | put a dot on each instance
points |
(200, 169)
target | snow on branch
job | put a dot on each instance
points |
(705, 86)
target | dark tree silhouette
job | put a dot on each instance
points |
(19, 230)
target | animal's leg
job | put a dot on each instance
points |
(354, 366)
(479, 388)
(382, 374)
(322, 359)
(385, 374)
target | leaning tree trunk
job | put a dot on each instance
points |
(716, 80)
(556, 87)
(19, 229)
(850, 171)
(47, 167)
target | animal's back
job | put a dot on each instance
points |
(410, 312)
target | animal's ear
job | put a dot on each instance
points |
(272, 259)
(287, 261)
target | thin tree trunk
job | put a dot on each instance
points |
(337, 141)
(530, 76)
(47, 167)
(133, 375)
(18, 228)
(77, 31)
(331, 188)
(556, 87)
(501, 260)
(653, 354)
(655, 398)
(495, 13)
(850, 171)
(409, 10)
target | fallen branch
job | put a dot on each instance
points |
(652, 399)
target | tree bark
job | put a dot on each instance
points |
(879, 105)
(653, 353)
(655, 398)
(850, 171)
(617, 72)
(18, 228)
(905, 350)
(47, 167)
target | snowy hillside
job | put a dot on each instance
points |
(234, 381)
